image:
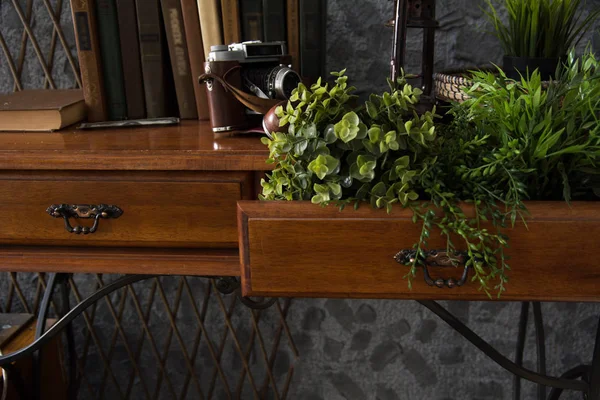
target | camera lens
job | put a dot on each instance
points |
(266, 80)
(283, 80)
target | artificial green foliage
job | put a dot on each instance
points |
(549, 137)
(333, 151)
(511, 142)
(540, 28)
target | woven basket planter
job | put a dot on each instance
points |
(451, 86)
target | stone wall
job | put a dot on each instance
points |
(358, 40)
(387, 350)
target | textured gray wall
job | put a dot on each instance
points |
(358, 40)
(32, 76)
(390, 350)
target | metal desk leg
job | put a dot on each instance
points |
(72, 354)
(522, 336)
(69, 317)
(579, 372)
(514, 368)
(39, 331)
(541, 346)
(12, 375)
(594, 393)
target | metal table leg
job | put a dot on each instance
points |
(585, 379)
(524, 318)
(69, 317)
(540, 340)
(594, 393)
(564, 382)
(53, 281)
(71, 352)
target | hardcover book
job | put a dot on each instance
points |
(193, 35)
(252, 19)
(312, 39)
(180, 63)
(41, 110)
(88, 52)
(274, 20)
(210, 23)
(152, 57)
(112, 67)
(230, 11)
(130, 52)
(293, 30)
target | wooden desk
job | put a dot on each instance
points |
(178, 189)
(177, 186)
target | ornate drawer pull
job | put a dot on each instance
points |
(85, 211)
(437, 258)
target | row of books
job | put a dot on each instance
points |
(141, 58)
(299, 23)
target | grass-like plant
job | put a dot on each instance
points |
(513, 141)
(540, 28)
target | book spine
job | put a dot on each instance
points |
(112, 67)
(210, 21)
(293, 33)
(130, 52)
(274, 20)
(152, 58)
(193, 35)
(252, 19)
(312, 39)
(180, 62)
(230, 11)
(88, 52)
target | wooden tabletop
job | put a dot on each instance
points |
(188, 146)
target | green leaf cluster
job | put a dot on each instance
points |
(540, 28)
(515, 141)
(510, 142)
(335, 151)
(544, 139)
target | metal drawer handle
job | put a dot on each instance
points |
(85, 211)
(437, 258)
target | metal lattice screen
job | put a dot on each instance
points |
(37, 45)
(169, 338)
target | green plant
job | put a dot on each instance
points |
(511, 142)
(555, 130)
(540, 28)
(332, 151)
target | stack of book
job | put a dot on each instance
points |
(141, 58)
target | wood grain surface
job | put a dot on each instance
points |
(187, 147)
(177, 186)
(167, 209)
(298, 249)
(114, 260)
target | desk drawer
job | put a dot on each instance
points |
(297, 249)
(171, 209)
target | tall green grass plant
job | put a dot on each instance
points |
(540, 28)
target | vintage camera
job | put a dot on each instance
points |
(259, 70)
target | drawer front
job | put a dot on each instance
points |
(296, 249)
(174, 209)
